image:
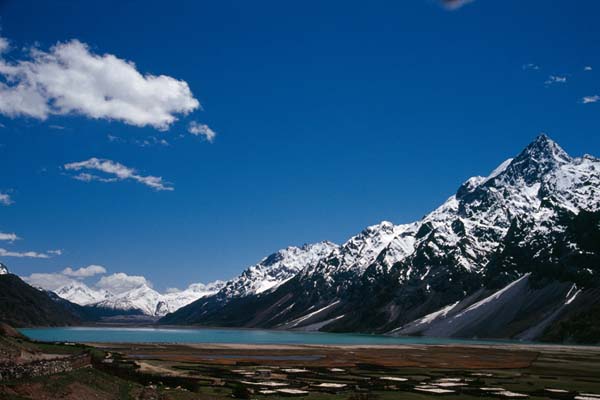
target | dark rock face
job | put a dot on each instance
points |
(22, 305)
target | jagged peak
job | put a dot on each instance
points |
(3, 269)
(543, 149)
(382, 226)
(540, 157)
(324, 246)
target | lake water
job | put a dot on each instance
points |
(192, 335)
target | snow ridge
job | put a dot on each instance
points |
(142, 298)
(276, 269)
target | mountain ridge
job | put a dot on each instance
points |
(390, 275)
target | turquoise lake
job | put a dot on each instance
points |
(192, 335)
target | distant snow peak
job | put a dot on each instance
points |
(79, 293)
(3, 269)
(138, 296)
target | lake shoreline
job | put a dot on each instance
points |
(318, 371)
(188, 335)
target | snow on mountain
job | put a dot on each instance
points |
(531, 194)
(411, 277)
(176, 300)
(474, 220)
(3, 269)
(276, 269)
(360, 251)
(79, 293)
(142, 298)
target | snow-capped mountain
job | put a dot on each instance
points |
(3, 269)
(264, 277)
(395, 277)
(276, 269)
(173, 301)
(79, 293)
(142, 298)
(360, 251)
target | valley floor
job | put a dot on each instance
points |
(178, 371)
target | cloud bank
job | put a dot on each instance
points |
(120, 283)
(115, 171)
(52, 281)
(114, 284)
(67, 277)
(84, 272)
(71, 79)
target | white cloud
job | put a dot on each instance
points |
(587, 68)
(120, 283)
(590, 99)
(52, 281)
(10, 237)
(552, 79)
(5, 199)
(199, 129)
(455, 4)
(4, 45)
(84, 272)
(68, 276)
(172, 290)
(70, 79)
(25, 254)
(531, 66)
(151, 141)
(114, 138)
(118, 172)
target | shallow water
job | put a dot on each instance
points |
(200, 335)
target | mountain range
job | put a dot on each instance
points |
(141, 299)
(515, 254)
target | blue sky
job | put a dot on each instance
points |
(329, 116)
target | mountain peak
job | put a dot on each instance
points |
(545, 149)
(537, 159)
(3, 269)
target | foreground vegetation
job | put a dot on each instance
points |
(147, 371)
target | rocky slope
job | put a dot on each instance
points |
(259, 280)
(522, 238)
(22, 305)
